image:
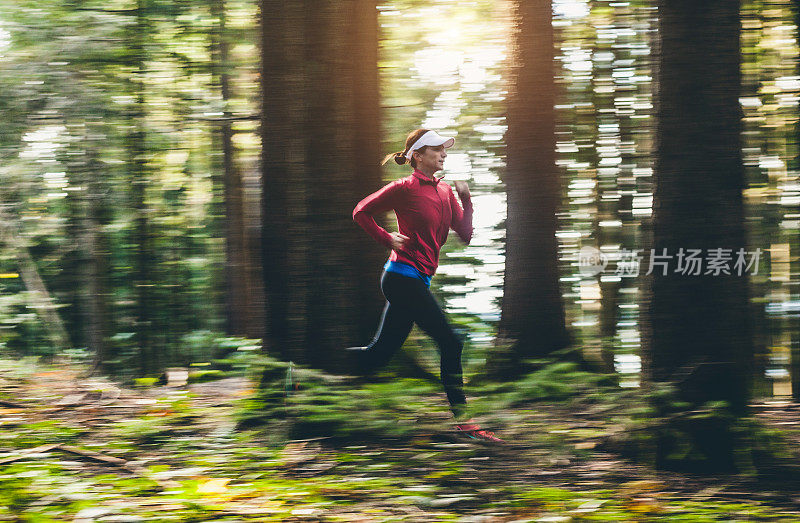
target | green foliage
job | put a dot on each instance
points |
(332, 406)
(201, 352)
(145, 382)
(18, 490)
(157, 428)
(668, 432)
(201, 475)
(45, 432)
(99, 101)
(221, 351)
(554, 380)
(20, 329)
(208, 375)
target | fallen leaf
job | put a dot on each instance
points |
(213, 486)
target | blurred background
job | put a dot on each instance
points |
(133, 203)
(180, 270)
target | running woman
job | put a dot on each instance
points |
(426, 210)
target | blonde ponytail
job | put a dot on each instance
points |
(399, 158)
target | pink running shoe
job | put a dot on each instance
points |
(474, 431)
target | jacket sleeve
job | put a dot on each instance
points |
(385, 199)
(461, 221)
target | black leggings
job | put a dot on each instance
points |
(409, 301)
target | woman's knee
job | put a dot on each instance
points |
(451, 354)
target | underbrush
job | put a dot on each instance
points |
(307, 403)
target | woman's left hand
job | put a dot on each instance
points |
(462, 189)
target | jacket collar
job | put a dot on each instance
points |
(424, 178)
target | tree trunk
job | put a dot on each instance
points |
(142, 257)
(795, 347)
(321, 153)
(532, 317)
(699, 335)
(91, 252)
(366, 177)
(95, 273)
(238, 291)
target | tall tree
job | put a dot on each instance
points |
(143, 255)
(321, 153)
(698, 333)
(532, 317)
(95, 299)
(795, 350)
(238, 291)
(91, 252)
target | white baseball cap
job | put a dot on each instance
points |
(430, 138)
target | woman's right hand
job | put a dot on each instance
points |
(399, 241)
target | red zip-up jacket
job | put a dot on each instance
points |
(426, 210)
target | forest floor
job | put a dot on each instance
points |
(85, 449)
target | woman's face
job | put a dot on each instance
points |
(431, 159)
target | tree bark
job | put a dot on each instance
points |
(795, 347)
(532, 316)
(699, 332)
(320, 155)
(238, 291)
(142, 257)
(94, 264)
